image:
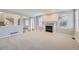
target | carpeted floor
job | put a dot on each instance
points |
(39, 41)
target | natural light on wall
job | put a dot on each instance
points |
(50, 17)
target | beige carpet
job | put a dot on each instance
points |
(38, 41)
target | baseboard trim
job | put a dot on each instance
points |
(9, 35)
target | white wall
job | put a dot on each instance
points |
(69, 18)
(50, 17)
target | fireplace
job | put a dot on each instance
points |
(49, 28)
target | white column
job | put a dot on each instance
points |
(76, 21)
(77, 25)
(21, 24)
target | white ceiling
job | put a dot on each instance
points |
(32, 12)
